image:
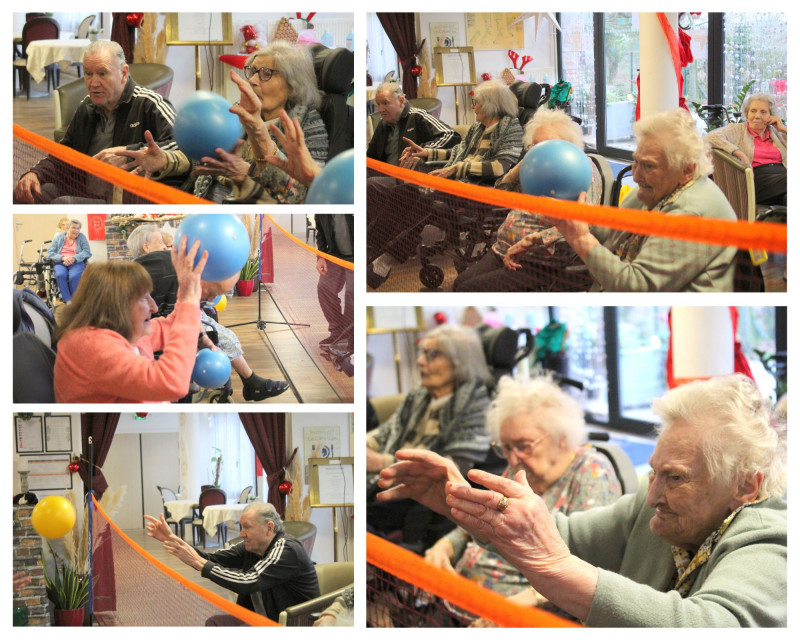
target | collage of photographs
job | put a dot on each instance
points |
(292, 412)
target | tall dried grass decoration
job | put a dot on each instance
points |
(250, 221)
(427, 79)
(75, 545)
(298, 507)
(151, 40)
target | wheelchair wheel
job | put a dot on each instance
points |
(431, 276)
(219, 396)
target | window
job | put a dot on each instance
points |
(238, 457)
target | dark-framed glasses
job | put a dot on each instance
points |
(264, 73)
(521, 448)
(428, 354)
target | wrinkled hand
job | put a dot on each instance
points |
(146, 162)
(446, 172)
(189, 287)
(249, 107)
(28, 190)
(157, 528)
(228, 164)
(516, 249)
(512, 176)
(741, 157)
(184, 552)
(422, 476)
(67, 260)
(410, 162)
(374, 461)
(20, 580)
(325, 620)
(524, 532)
(482, 623)
(116, 156)
(413, 150)
(322, 266)
(776, 122)
(440, 555)
(298, 163)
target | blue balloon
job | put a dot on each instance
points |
(334, 184)
(224, 237)
(211, 369)
(555, 168)
(203, 124)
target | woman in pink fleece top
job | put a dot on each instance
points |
(106, 338)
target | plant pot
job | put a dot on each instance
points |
(68, 617)
(245, 287)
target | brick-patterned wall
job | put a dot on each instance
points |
(115, 244)
(27, 558)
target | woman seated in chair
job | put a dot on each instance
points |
(445, 414)
(523, 236)
(761, 142)
(69, 252)
(106, 338)
(279, 77)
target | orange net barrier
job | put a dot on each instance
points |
(132, 588)
(76, 178)
(405, 591)
(450, 226)
(306, 297)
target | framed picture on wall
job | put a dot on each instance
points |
(49, 473)
(28, 434)
(58, 434)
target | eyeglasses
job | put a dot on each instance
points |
(522, 448)
(428, 354)
(264, 73)
(474, 101)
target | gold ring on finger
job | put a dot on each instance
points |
(503, 504)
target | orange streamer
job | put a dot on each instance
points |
(745, 235)
(329, 258)
(456, 589)
(245, 615)
(147, 189)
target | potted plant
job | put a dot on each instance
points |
(217, 460)
(247, 277)
(67, 590)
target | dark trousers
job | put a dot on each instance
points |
(770, 182)
(396, 215)
(340, 321)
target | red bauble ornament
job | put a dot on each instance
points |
(74, 466)
(440, 317)
(248, 32)
(134, 20)
(486, 77)
(141, 414)
(416, 71)
(285, 488)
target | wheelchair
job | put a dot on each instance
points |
(39, 275)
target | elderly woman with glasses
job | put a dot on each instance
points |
(279, 78)
(445, 414)
(760, 142)
(538, 429)
(702, 544)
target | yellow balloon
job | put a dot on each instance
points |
(53, 517)
(223, 302)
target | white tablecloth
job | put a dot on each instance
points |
(218, 513)
(44, 52)
(180, 509)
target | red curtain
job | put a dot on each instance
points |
(267, 433)
(101, 428)
(124, 34)
(401, 29)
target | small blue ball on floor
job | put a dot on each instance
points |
(211, 369)
(334, 184)
(203, 124)
(555, 168)
(224, 237)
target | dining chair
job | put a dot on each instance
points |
(40, 28)
(208, 497)
(82, 33)
(169, 494)
(244, 494)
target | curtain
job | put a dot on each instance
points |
(124, 34)
(267, 433)
(101, 428)
(402, 33)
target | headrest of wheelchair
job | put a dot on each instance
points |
(499, 345)
(333, 68)
(529, 94)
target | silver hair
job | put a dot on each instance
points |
(267, 513)
(683, 145)
(496, 99)
(101, 47)
(556, 411)
(297, 69)
(555, 119)
(734, 429)
(138, 237)
(75, 221)
(392, 87)
(772, 104)
(463, 348)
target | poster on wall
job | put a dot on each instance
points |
(28, 434)
(58, 434)
(321, 442)
(46, 473)
(492, 31)
(444, 34)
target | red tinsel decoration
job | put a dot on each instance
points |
(134, 20)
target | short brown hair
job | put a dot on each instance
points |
(104, 297)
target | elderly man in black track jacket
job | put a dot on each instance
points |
(268, 569)
(118, 122)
